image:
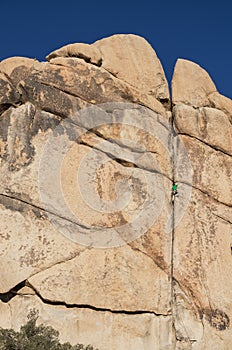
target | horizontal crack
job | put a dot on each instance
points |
(91, 307)
(189, 104)
(205, 143)
(204, 192)
(185, 340)
(79, 56)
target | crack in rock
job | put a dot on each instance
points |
(205, 143)
(6, 197)
(205, 192)
(14, 292)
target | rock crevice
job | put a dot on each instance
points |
(91, 145)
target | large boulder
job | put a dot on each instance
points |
(202, 239)
(91, 231)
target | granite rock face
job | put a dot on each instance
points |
(90, 231)
(202, 240)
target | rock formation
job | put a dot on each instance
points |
(91, 234)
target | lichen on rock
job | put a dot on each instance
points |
(91, 145)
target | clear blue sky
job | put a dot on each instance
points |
(200, 31)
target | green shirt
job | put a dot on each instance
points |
(174, 187)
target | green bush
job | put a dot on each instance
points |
(32, 337)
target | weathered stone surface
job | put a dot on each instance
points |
(29, 242)
(24, 131)
(9, 94)
(87, 52)
(116, 54)
(98, 328)
(27, 130)
(17, 68)
(27, 190)
(70, 84)
(88, 220)
(204, 124)
(214, 176)
(94, 280)
(137, 135)
(221, 102)
(202, 266)
(92, 84)
(191, 85)
(202, 239)
(131, 58)
(5, 315)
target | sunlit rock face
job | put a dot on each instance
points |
(93, 234)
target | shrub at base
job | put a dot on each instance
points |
(32, 337)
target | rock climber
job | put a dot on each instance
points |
(174, 188)
(174, 191)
